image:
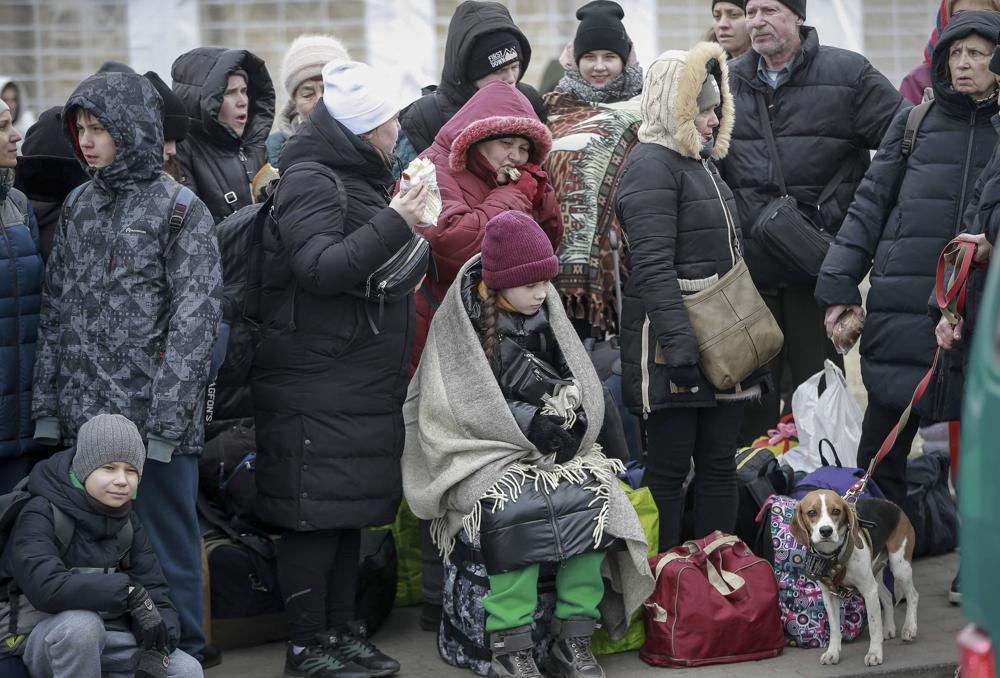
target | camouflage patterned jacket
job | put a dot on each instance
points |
(127, 325)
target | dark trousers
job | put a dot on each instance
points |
(431, 567)
(15, 469)
(890, 475)
(318, 575)
(166, 507)
(806, 347)
(708, 436)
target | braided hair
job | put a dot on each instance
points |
(491, 337)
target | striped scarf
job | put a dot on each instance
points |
(939, 26)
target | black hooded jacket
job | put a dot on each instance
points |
(423, 119)
(327, 390)
(45, 578)
(832, 108)
(904, 213)
(216, 164)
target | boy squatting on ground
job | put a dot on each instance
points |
(99, 602)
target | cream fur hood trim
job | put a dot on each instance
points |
(670, 100)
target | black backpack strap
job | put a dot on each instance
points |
(180, 205)
(123, 539)
(913, 121)
(70, 202)
(64, 527)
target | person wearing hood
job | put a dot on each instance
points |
(22, 269)
(12, 94)
(175, 122)
(828, 108)
(129, 314)
(302, 78)
(47, 171)
(682, 229)
(907, 208)
(476, 154)
(483, 45)
(82, 605)
(729, 26)
(230, 103)
(328, 381)
(918, 83)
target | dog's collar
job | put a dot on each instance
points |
(830, 569)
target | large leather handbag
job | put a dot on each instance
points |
(783, 226)
(715, 602)
(735, 329)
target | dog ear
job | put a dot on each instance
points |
(852, 525)
(798, 527)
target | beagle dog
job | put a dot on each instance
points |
(847, 549)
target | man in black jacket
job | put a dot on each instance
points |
(828, 107)
(230, 102)
(483, 44)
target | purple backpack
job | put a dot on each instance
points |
(834, 477)
(800, 601)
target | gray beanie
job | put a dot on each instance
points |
(105, 439)
(709, 97)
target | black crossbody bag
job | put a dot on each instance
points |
(782, 226)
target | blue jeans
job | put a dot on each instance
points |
(166, 507)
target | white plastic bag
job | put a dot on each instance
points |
(833, 415)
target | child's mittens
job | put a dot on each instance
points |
(547, 434)
(151, 664)
(147, 625)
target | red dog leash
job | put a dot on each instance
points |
(956, 258)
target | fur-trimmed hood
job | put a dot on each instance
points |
(495, 109)
(670, 100)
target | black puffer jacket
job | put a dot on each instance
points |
(904, 213)
(983, 216)
(675, 211)
(44, 577)
(215, 163)
(831, 110)
(422, 120)
(328, 392)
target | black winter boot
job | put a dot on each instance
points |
(351, 644)
(571, 655)
(319, 661)
(513, 654)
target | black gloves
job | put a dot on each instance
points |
(547, 434)
(685, 376)
(147, 625)
(151, 664)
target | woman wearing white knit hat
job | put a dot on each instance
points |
(302, 78)
(330, 374)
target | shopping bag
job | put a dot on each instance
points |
(824, 409)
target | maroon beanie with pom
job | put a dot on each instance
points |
(516, 252)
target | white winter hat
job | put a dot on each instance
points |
(306, 57)
(357, 96)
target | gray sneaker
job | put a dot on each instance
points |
(571, 655)
(513, 655)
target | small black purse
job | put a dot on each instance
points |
(401, 274)
(783, 227)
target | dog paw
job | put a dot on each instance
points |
(830, 657)
(888, 633)
(873, 658)
(909, 632)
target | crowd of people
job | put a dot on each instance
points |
(480, 388)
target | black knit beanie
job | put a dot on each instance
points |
(175, 120)
(742, 4)
(490, 53)
(601, 28)
(797, 6)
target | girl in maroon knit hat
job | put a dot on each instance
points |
(501, 452)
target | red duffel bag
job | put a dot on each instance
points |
(715, 602)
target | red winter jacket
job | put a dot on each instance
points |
(470, 193)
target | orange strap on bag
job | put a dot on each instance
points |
(955, 263)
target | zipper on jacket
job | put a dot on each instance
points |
(644, 363)
(555, 526)
(17, 333)
(965, 178)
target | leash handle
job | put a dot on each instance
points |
(957, 256)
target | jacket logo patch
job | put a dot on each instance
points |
(498, 59)
(135, 231)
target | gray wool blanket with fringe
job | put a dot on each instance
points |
(463, 445)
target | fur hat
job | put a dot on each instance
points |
(305, 59)
(175, 119)
(105, 439)
(516, 252)
(601, 27)
(490, 53)
(357, 96)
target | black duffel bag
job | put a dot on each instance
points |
(929, 504)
